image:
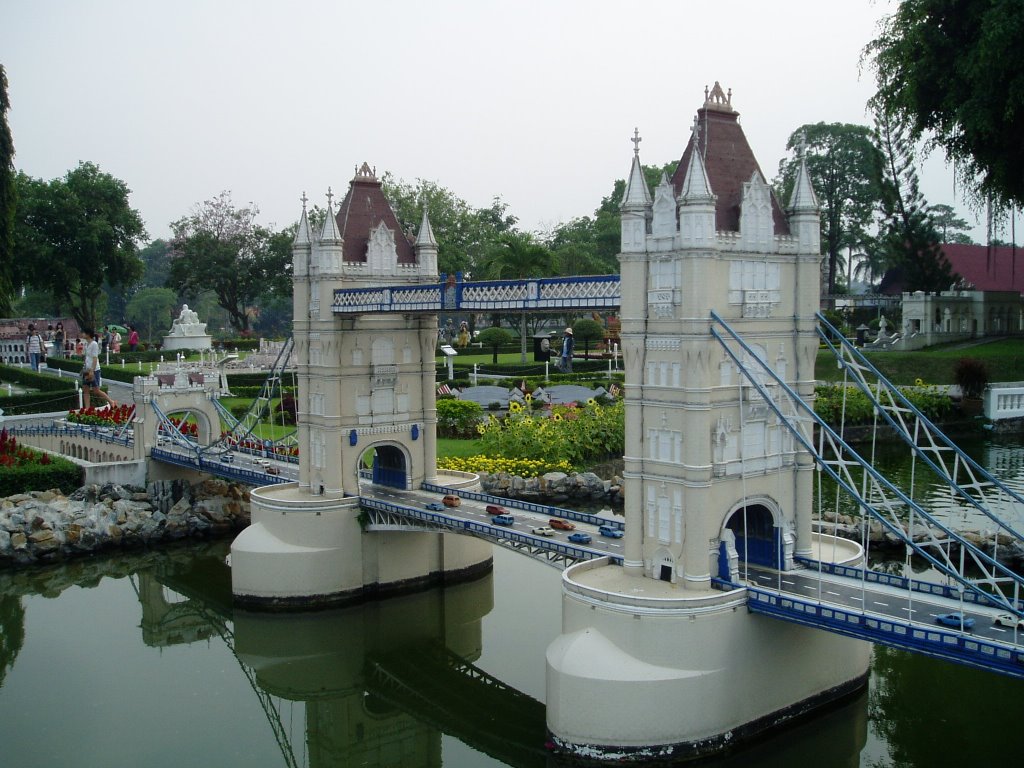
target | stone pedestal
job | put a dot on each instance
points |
(176, 342)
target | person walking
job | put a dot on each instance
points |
(58, 340)
(568, 344)
(133, 338)
(91, 380)
(34, 347)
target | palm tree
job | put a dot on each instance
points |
(517, 256)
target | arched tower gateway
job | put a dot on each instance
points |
(366, 398)
(654, 660)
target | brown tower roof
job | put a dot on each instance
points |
(362, 210)
(728, 159)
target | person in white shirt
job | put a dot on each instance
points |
(34, 345)
(91, 369)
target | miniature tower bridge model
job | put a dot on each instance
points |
(667, 665)
(365, 389)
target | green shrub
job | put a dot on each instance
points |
(59, 473)
(971, 375)
(457, 418)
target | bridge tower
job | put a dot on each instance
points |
(713, 481)
(366, 397)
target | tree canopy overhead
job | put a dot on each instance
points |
(952, 72)
(76, 233)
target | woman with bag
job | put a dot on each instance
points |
(91, 370)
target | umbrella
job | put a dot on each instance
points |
(118, 328)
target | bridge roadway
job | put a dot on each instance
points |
(887, 614)
(393, 509)
(869, 605)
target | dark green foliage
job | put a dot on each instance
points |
(220, 248)
(457, 418)
(845, 167)
(76, 234)
(59, 473)
(8, 203)
(463, 233)
(971, 375)
(287, 410)
(493, 338)
(908, 242)
(952, 71)
(587, 333)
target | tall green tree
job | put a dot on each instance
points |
(516, 256)
(845, 167)
(950, 227)
(152, 311)
(463, 233)
(8, 202)
(221, 248)
(76, 233)
(952, 72)
(908, 240)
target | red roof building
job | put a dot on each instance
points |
(988, 268)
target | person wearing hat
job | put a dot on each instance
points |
(567, 346)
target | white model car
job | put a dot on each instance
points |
(1009, 620)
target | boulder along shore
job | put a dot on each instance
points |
(47, 526)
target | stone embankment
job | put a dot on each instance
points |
(45, 526)
(879, 539)
(554, 488)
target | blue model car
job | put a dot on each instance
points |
(503, 519)
(955, 620)
(579, 538)
(435, 506)
(609, 532)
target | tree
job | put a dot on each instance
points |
(494, 337)
(222, 249)
(845, 167)
(908, 240)
(151, 311)
(8, 202)
(952, 71)
(951, 228)
(517, 256)
(74, 234)
(586, 331)
(463, 233)
(156, 258)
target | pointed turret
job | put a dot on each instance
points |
(426, 247)
(302, 244)
(663, 221)
(696, 200)
(804, 210)
(636, 203)
(331, 243)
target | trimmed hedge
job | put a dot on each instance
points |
(29, 378)
(60, 473)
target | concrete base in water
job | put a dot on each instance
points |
(645, 670)
(303, 551)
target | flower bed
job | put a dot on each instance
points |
(102, 417)
(25, 468)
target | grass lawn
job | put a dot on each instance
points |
(447, 446)
(1004, 360)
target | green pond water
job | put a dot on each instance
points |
(140, 660)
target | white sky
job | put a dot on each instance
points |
(534, 101)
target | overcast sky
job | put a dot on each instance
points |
(534, 102)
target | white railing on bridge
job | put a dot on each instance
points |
(1004, 401)
(550, 294)
(941, 643)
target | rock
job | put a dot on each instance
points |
(18, 540)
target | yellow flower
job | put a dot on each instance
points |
(514, 407)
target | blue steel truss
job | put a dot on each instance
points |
(875, 495)
(970, 482)
(550, 294)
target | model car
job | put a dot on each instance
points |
(451, 500)
(1009, 620)
(543, 531)
(435, 506)
(561, 525)
(955, 619)
(494, 509)
(579, 538)
(609, 532)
